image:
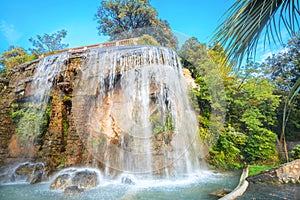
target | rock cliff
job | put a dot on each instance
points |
(57, 142)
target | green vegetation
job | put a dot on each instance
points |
(121, 19)
(254, 103)
(244, 26)
(48, 43)
(228, 151)
(31, 125)
(295, 153)
(14, 56)
(147, 40)
(257, 169)
(248, 20)
(62, 161)
(159, 124)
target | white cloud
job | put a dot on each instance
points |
(9, 32)
(269, 53)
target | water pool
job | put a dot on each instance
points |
(197, 187)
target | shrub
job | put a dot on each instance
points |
(295, 153)
(228, 152)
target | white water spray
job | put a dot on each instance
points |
(139, 119)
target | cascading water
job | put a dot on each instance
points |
(138, 116)
(130, 107)
(29, 125)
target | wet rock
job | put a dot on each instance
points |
(83, 179)
(127, 180)
(37, 178)
(6, 178)
(74, 189)
(220, 192)
(31, 172)
(61, 182)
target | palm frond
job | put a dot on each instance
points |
(246, 21)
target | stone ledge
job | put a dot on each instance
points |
(286, 173)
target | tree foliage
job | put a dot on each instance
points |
(250, 112)
(241, 31)
(209, 95)
(147, 40)
(295, 153)
(123, 19)
(283, 69)
(15, 56)
(48, 43)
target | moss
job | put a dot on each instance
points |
(62, 162)
(40, 153)
(30, 124)
(67, 98)
(65, 127)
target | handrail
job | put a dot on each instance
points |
(124, 42)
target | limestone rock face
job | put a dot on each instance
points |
(76, 179)
(58, 144)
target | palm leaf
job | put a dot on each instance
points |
(246, 22)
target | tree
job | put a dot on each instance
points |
(15, 56)
(147, 40)
(250, 112)
(247, 20)
(283, 69)
(48, 43)
(123, 19)
(228, 151)
(209, 95)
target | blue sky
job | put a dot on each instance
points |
(22, 19)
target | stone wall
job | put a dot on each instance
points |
(286, 173)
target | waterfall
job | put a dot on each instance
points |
(132, 111)
(30, 122)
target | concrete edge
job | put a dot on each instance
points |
(241, 187)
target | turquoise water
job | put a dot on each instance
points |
(270, 191)
(197, 187)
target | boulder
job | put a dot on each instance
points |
(127, 180)
(30, 172)
(37, 178)
(61, 182)
(83, 179)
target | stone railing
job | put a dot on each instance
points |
(126, 42)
